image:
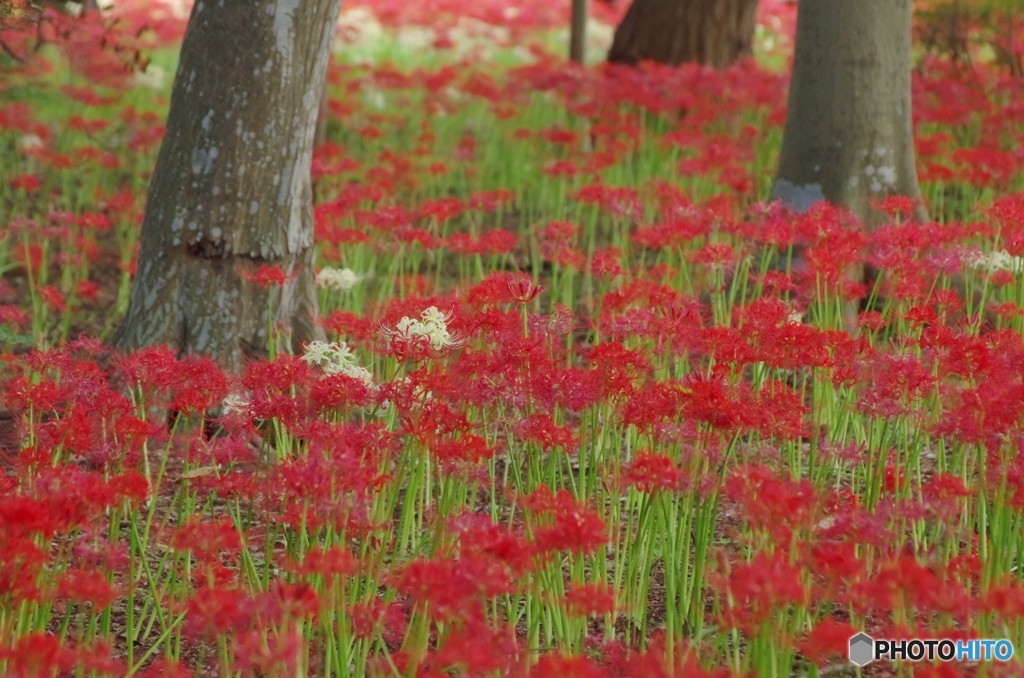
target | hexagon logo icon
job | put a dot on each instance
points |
(862, 649)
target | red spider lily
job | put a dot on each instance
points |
(30, 256)
(349, 326)
(87, 586)
(463, 243)
(871, 320)
(201, 384)
(294, 602)
(957, 353)
(435, 419)
(643, 292)
(1006, 599)
(552, 387)
(657, 663)
(329, 564)
(837, 564)
(561, 168)
(757, 590)
(524, 291)
(241, 486)
(944, 495)
(280, 374)
(216, 610)
(556, 665)
(87, 290)
(12, 315)
(650, 472)
(20, 116)
(277, 655)
(269, 276)
(339, 393)
(829, 638)
(1008, 212)
(153, 366)
(559, 137)
(498, 241)
(558, 244)
(906, 582)
(618, 367)
(591, 599)
(619, 201)
(441, 210)
(428, 241)
(72, 498)
(893, 384)
(650, 406)
(207, 540)
(468, 448)
(779, 412)
(130, 485)
(771, 504)
(899, 207)
(605, 264)
(36, 654)
(27, 182)
(576, 529)
(475, 647)
(376, 616)
(985, 166)
(455, 589)
(478, 536)
(163, 667)
(233, 446)
(541, 429)
(489, 201)
(712, 401)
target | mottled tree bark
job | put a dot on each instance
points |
(848, 137)
(231, 190)
(711, 32)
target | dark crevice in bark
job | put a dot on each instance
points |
(207, 248)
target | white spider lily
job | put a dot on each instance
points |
(338, 279)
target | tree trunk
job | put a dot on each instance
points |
(711, 32)
(578, 32)
(848, 137)
(231, 190)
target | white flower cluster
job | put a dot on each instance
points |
(338, 279)
(336, 358)
(434, 326)
(30, 142)
(152, 77)
(1000, 260)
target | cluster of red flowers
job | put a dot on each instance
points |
(589, 409)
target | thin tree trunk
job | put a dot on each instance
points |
(711, 32)
(578, 32)
(231, 190)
